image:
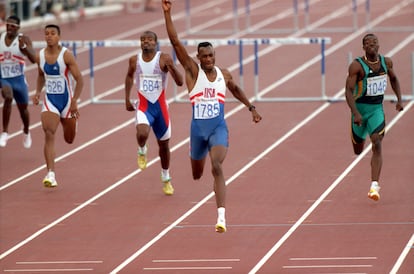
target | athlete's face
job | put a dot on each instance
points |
(12, 27)
(207, 57)
(148, 42)
(51, 36)
(371, 45)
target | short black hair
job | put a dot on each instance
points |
(15, 18)
(204, 45)
(53, 26)
(367, 36)
(148, 32)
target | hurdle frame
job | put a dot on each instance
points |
(276, 30)
(224, 31)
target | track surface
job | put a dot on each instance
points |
(296, 196)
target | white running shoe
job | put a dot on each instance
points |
(27, 140)
(3, 139)
(50, 180)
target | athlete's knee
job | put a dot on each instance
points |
(216, 168)
(376, 144)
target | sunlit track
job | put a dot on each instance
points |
(152, 225)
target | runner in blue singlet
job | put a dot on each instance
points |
(207, 85)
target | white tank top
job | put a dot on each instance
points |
(150, 79)
(207, 98)
(12, 60)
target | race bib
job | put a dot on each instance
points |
(206, 109)
(376, 85)
(150, 83)
(55, 85)
(9, 70)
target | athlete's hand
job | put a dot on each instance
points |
(399, 106)
(256, 116)
(129, 106)
(357, 119)
(74, 113)
(36, 99)
(166, 5)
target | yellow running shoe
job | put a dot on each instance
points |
(142, 159)
(221, 226)
(374, 193)
(167, 187)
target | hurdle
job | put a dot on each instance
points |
(384, 29)
(333, 29)
(255, 42)
(295, 27)
(235, 17)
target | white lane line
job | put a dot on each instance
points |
(43, 270)
(323, 196)
(402, 256)
(188, 268)
(195, 260)
(89, 101)
(60, 262)
(328, 266)
(332, 258)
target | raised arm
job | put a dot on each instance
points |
(26, 47)
(190, 66)
(167, 64)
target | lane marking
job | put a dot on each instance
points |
(403, 255)
(96, 197)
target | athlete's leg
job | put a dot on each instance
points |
(197, 168)
(7, 93)
(69, 129)
(164, 153)
(50, 122)
(217, 156)
(25, 116)
(376, 159)
(142, 133)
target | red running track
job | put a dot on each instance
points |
(296, 194)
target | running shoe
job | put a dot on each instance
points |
(167, 187)
(27, 140)
(50, 180)
(142, 159)
(221, 226)
(3, 139)
(374, 193)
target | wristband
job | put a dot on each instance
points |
(251, 107)
(24, 46)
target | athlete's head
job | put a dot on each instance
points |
(148, 41)
(12, 24)
(52, 34)
(370, 44)
(206, 55)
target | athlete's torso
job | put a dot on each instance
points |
(58, 81)
(12, 60)
(151, 81)
(371, 89)
(207, 99)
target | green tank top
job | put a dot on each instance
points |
(371, 89)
